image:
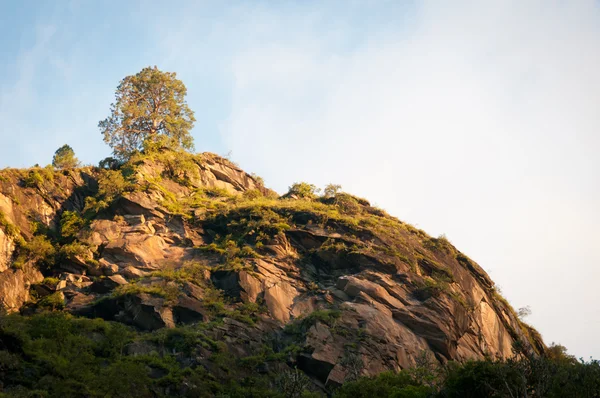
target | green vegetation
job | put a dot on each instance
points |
(52, 302)
(36, 177)
(160, 289)
(55, 354)
(150, 112)
(75, 249)
(303, 190)
(111, 185)
(331, 190)
(347, 204)
(193, 360)
(9, 229)
(64, 158)
(50, 281)
(301, 325)
(71, 223)
(556, 375)
(189, 272)
(38, 250)
(33, 179)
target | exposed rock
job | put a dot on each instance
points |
(14, 286)
(228, 281)
(7, 248)
(146, 312)
(279, 299)
(188, 310)
(105, 285)
(130, 272)
(396, 292)
(142, 250)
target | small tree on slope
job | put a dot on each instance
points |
(64, 158)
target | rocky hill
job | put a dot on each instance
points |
(207, 265)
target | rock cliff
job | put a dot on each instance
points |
(335, 286)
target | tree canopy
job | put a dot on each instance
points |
(150, 110)
(64, 158)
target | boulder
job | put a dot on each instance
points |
(279, 299)
(130, 272)
(14, 286)
(105, 285)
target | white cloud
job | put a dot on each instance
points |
(478, 120)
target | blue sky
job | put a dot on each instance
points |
(478, 120)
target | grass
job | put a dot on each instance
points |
(189, 272)
(9, 229)
(54, 301)
(169, 292)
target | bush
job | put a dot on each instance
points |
(292, 383)
(387, 384)
(112, 184)
(347, 204)
(75, 249)
(167, 291)
(33, 180)
(52, 302)
(180, 167)
(252, 194)
(331, 190)
(70, 224)
(303, 190)
(259, 180)
(38, 250)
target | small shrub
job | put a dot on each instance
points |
(112, 184)
(181, 168)
(70, 224)
(50, 281)
(166, 291)
(430, 288)
(524, 312)
(190, 272)
(347, 204)
(33, 180)
(75, 249)
(331, 190)
(39, 250)
(259, 180)
(301, 325)
(54, 301)
(217, 192)
(292, 383)
(303, 190)
(252, 194)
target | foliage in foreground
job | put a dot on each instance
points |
(555, 375)
(55, 354)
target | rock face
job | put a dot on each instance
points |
(195, 238)
(15, 285)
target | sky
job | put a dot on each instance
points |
(473, 119)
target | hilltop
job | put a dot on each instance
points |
(204, 264)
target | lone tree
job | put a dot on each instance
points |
(150, 111)
(64, 158)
